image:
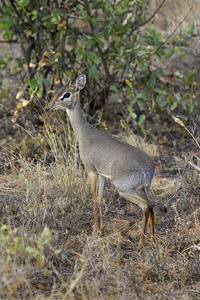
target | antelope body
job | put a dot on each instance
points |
(129, 168)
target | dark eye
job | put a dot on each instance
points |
(65, 96)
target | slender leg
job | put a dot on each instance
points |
(144, 193)
(100, 198)
(152, 222)
(143, 202)
(144, 227)
(93, 182)
(151, 213)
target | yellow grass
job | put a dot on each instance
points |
(54, 255)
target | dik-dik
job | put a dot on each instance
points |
(129, 168)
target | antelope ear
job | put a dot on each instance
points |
(64, 78)
(80, 82)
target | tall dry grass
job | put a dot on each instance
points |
(47, 247)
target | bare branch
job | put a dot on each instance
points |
(169, 37)
(153, 15)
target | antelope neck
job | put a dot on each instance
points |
(78, 122)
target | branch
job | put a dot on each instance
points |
(137, 26)
(11, 41)
(153, 15)
(169, 37)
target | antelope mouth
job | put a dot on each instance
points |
(55, 107)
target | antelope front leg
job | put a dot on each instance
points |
(93, 182)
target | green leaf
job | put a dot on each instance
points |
(90, 43)
(93, 73)
(113, 88)
(180, 53)
(96, 4)
(152, 80)
(30, 250)
(71, 40)
(178, 75)
(141, 53)
(87, 41)
(34, 15)
(192, 73)
(8, 34)
(5, 22)
(2, 63)
(160, 101)
(133, 115)
(94, 58)
(58, 12)
(5, 93)
(169, 53)
(46, 17)
(22, 3)
(4, 25)
(141, 95)
(190, 29)
(7, 9)
(81, 9)
(115, 98)
(157, 90)
(131, 103)
(88, 37)
(46, 81)
(94, 23)
(141, 119)
(55, 19)
(177, 96)
(33, 85)
(140, 104)
(191, 107)
(159, 73)
(83, 41)
(174, 105)
(100, 42)
(106, 33)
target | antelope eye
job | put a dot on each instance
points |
(65, 96)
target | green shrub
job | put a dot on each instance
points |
(105, 40)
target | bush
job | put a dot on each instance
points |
(110, 42)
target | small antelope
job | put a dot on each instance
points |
(129, 168)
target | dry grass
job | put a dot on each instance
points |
(137, 141)
(51, 207)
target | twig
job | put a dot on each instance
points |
(194, 166)
(177, 120)
(153, 15)
(169, 37)
(11, 41)
(77, 279)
